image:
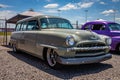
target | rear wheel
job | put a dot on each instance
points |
(14, 48)
(51, 56)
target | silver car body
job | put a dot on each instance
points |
(88, 47)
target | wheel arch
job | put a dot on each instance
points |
(118, 44)
(44, 52)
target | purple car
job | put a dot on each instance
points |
(110, 29)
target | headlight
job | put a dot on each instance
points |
(108, 41)
(70, 41)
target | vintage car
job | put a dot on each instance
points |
(103, 27)
(54, 40)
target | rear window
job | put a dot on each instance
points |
(18, 27)
(23, 26)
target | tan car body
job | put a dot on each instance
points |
(35, 42)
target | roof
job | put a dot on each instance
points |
(22, 16)
(100, 21)
(40, 16)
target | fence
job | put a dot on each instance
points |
(5, 32)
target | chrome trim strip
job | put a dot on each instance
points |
(44, 45)
(87, 48)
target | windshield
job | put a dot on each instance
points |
(55, 23)
(114, 26)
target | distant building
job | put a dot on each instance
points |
(8, 29)
(23, 15)
(13, 20)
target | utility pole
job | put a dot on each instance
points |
(77, 24)
(59, 12)
(86, 12)
(6, 31)
(114, 14)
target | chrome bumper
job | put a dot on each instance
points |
(85, 60)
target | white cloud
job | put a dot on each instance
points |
(86, 5)
(102, 3)
(51, 6)
(48, 0)
(68, 6)
(7, 14)
(44, 0)
(79, 5)
(118, 19)
(3, 6)
(107, 12)
(115, 0)
(51, 11)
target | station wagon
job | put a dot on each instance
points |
(54, 40)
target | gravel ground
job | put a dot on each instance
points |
(22, 66)
(2, 40)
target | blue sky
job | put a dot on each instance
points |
(70, 9)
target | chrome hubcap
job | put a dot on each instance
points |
(14, 48)
(51, 57)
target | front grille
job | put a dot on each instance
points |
(89, 51)
(91, 45)
(91, 48)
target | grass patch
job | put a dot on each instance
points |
(2, 33)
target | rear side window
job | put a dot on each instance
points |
(32, 25)
(98, 27)
(23, 26)
(18, 27)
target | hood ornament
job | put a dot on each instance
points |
(93, 37)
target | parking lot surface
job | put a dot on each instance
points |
(22, 66)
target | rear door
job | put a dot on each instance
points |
(22, 36)
(30, 36)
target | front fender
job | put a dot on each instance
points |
(115, 42)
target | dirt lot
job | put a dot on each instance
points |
(22, 66)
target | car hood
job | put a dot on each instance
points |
(81, 34)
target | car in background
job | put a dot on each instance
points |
(103, 27)
(54, 40)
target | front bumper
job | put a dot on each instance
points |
(85, 60)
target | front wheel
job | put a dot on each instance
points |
(118, 48)
(51, 56)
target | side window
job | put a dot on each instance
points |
(87, 27)
(17, 27)
(98, 27)
(44, 23)
(23, 26)
(32, 25)
(62, 25)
